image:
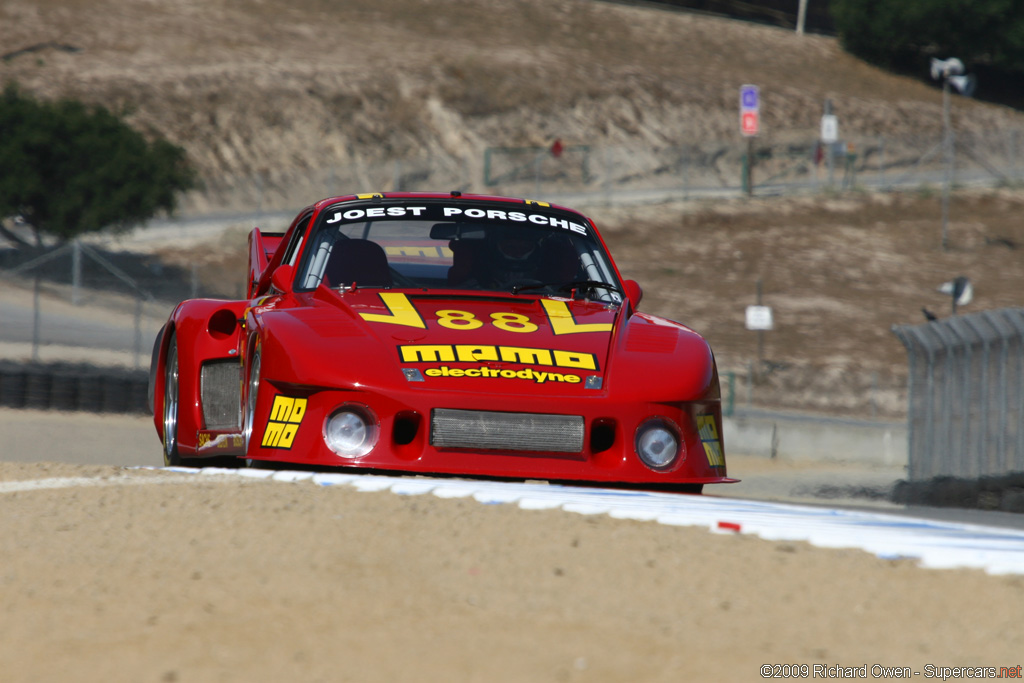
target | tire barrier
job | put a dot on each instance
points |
(1004, 493)
(68, 387)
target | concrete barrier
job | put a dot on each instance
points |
(796, 437)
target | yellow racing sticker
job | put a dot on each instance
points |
(496, 373)
(400, 311)
(562, 321)
(285, 417)
(471, 353)
(709, 438)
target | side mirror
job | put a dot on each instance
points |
(633, 292)
(281, 279)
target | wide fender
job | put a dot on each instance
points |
(336, 350)
(262, 247)
(656, 360)
(203, 329)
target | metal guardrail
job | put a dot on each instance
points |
(966, 395)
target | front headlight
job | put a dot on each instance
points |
(658, 444)
(351, 431)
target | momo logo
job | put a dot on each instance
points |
(282, 426)
(475, 353)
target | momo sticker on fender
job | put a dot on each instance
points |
(282, 426)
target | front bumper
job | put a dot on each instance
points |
(284, 433)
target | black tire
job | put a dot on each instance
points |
(251, 394)
(171, 396)
(157, 343)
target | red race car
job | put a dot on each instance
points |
(439, 334)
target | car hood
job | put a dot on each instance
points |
(380, 339)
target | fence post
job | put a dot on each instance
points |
(36, 321)
(138, 330)
(881, 162)
(76, 272)
(730, 397)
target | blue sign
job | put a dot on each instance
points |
(749, 97)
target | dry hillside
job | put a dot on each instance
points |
(285, 89)
(273, 86)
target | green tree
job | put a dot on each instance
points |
(67, 168)
(905, 34)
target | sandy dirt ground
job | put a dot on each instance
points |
(152, 576)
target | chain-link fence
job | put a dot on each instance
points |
(966, 395)
(81, 304)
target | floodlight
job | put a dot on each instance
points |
(965, 84)
(951, 71)
(944, 68)
(960, 289)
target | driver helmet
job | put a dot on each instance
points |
(515, 245)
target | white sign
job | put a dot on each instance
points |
(829, 128)
(759, 317)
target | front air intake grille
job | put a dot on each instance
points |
(506, 431)
(221, 386)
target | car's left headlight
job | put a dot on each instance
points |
(351, 431)
(658, 443)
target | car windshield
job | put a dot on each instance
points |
(478, 247)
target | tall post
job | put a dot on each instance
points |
(138, 331)
(748, 171)
(760, 334)
(801, 17)
(947, 174)
(36, 321)
(830, 149)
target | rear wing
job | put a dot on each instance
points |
(262, 246)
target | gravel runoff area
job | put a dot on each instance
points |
(141, 575)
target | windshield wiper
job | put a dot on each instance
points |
(568, 286)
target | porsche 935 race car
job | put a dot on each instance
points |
(439, 334)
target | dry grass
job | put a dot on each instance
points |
(249, 85)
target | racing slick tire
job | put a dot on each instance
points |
(252, 390)
(171, 395)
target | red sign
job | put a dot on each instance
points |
(749, 123)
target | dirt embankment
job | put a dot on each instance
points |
(281, 89)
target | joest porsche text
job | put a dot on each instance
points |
(455, 212)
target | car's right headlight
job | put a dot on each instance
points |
(658, 444)
(351, 431)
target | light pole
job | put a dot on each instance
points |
(951, 71)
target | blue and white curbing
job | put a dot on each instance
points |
(933, 544)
